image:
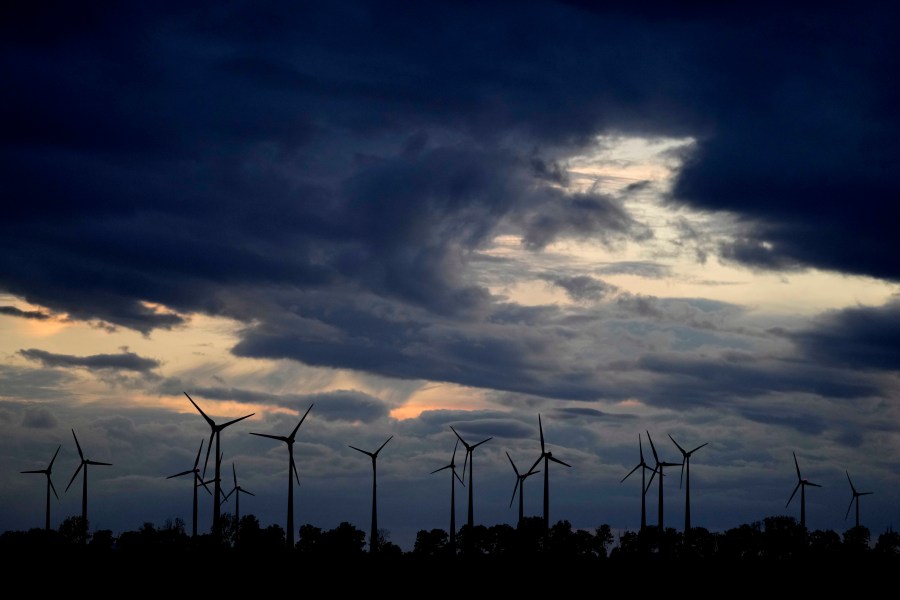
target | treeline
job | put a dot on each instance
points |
(777, 538)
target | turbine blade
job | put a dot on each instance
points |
(179, 474)
(233, 421)
(383, 445)
(630, 472)
(441, 469)
(864, 493)
(697, 448)
(54, 457)
(649, 481)
(851, 483)
(512, 463)
(234, 472)
(556, 460)
(358, 450)
(203, 414)
(799, 483)
(303, 418)
(541, 428)
(273, 437)
(813, 484)
(460, 438)
(797, 465)
(247, 492)
(481, 442)
(849, 507)
(80, 454)
(455, 446)
(681, 479)
(294, 467)
(537, 462)
(208, 448)
(515, 487)
(199, 450)
(641, 448)
(676, 443)
(465, 462)
(455, 474)
(50, 481)
(203, 483)
(94, 462)
(74, 475)
(652, 447)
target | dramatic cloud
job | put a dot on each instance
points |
(863, 337)
(25, 314)
(480, 212)
(125, 361)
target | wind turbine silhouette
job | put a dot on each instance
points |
(520, 486)
(50, 487)
(645, 485)
(686, 465)
(659, 467)
(470, 453)
(453, 478)
(373, 536)
(546, 457)
(801, 485)
(198, 481)
(292, 474)
(84, 486)
(855, 498)
(237, 491)
(216, 430)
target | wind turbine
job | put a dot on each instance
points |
(237, 491)
(198, 481)
(520, 486)
(84, 487)
(546, 457)
(686, 465)
(801, 485)
(470, 453)
(659, 467)
(216, 430)
(373, 536)
(645, 485)
(855, 498)
(50, 487)
(292, 474)
(453, 477)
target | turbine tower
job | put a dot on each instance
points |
(453, 477)
(855, 498)
(292, 474)
(801, 485)
(84, 486)
(373, 536)
(215, 433)
(50, 487)
(659, 468)
(546, 457)
(686, 466)
(470, 458)
(520, 486)
(198, 481)
(645, 485)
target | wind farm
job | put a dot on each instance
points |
(692, 538)
(430, 219)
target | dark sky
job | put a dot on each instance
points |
(334, 179)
